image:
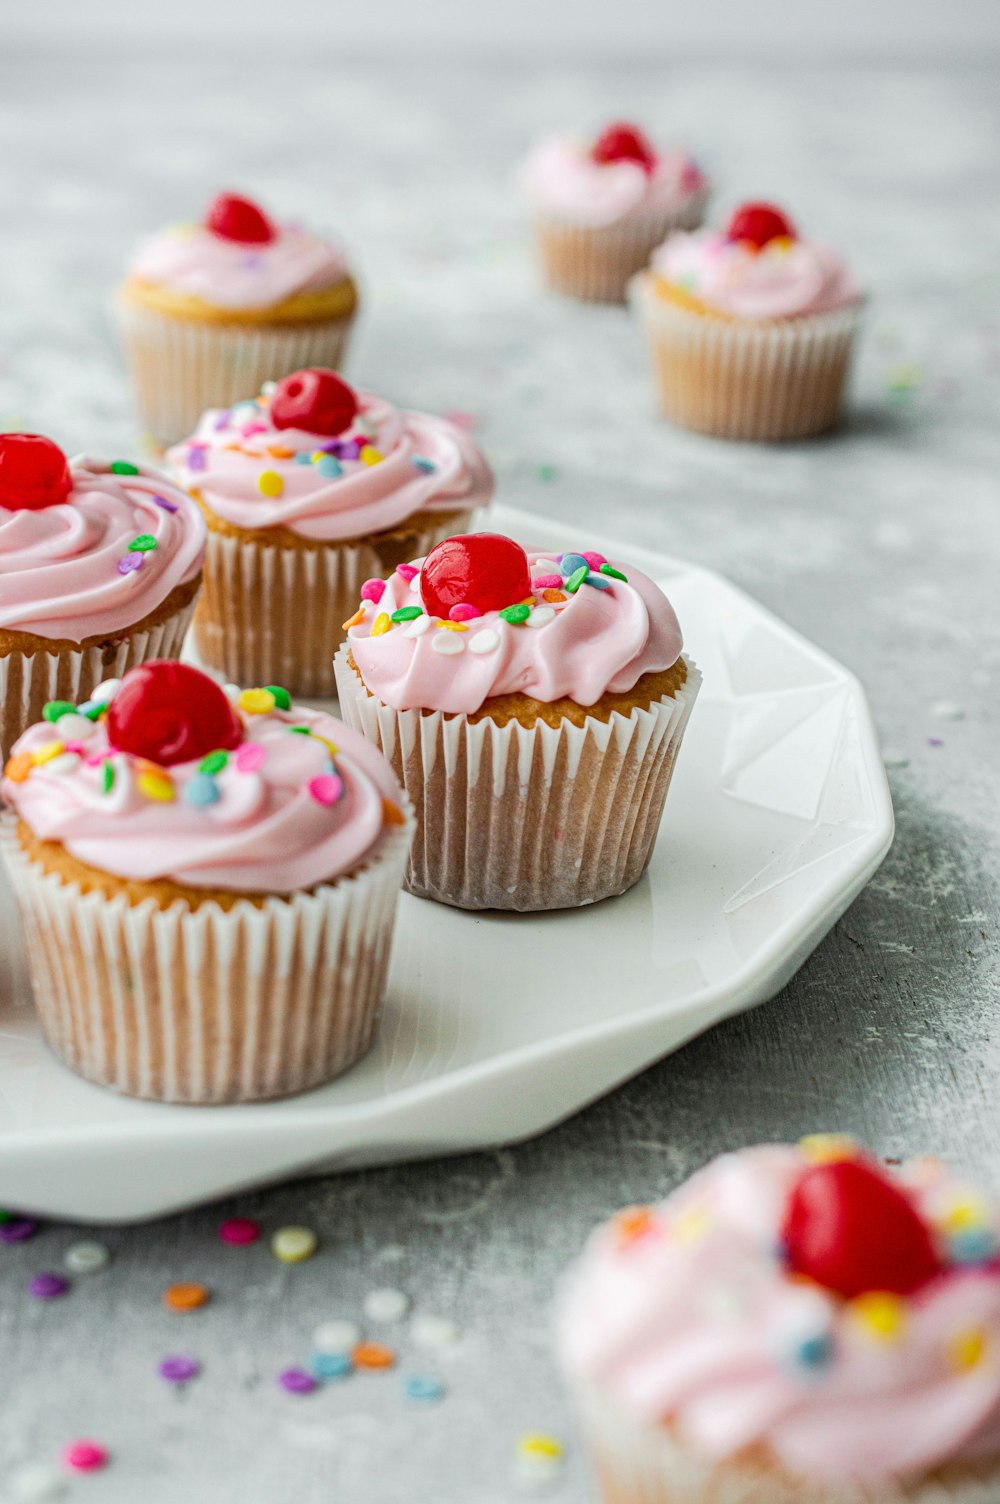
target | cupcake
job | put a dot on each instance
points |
(795, 1325)
(310, 490)
(100, 564)
(751, 329)
(207, 883)
(532, 706)
(600, 209)
(208, 312)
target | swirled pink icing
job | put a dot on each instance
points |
(689, 1317)
(411, 461)
(68, 571)
(560, 177)
(191, 260)
(265, 832)
(782, 280)
(600, 639)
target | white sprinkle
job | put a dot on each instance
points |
(386, 1305)
(232, 692)
(434, 1331)
(894, 758)
(104, 692)
(947, 710)
(417, 627)
(66, 762)
(35, 1482)
(268, 388)
(86, 1258)
(336, 1337)
(447, 642)
(545, 566)
(72, 726)
(486, 641)
(541, 616)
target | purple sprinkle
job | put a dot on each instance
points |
(178, 1368)
(333, 446)
(252, 262)
(222, 421)
(297, 1381)
(934, 741)
(47, 1286)
(350, 449)
(130, 563)
(168, 506)
(196, 458)
(19, 1230)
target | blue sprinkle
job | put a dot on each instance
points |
(976, 1245)
(304, 457)
(244, 412)
(419, 463)
(200, 790)
(330, 1365)
(570, 563)
(815, 1352)
(423, 1388)
(329, 466)
(599, 581)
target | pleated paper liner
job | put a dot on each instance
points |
(209, 1006)
(28, 680)
(273, 613)
(526, 818)
(738, 379)
(596, 262)
(639, 1463)
(180, 367)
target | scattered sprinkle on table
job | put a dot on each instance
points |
(434, 1331)
(297, 1381)
(329, 1366)
(336, 1337)
(386, 1305)
(178, 1368)
(239, 1231)
(86, 1456)
(18, 1230)
(373, 1357)
(423, 1388)
(47, 1286)
(185, 1297)
(292, 1245)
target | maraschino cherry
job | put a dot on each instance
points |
(485, 570)
(623, 142)
(168, 712)
(851, 1230)
(759, 224)
(314, 399)
(232, 217)
(33, 472)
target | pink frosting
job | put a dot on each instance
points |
(422, 462)
(561, 177)
(267, 830)
(594, 642)
(59, 567)
(780, 281)
(695, 1321)
(191, 260)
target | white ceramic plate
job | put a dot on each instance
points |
(498, 1026)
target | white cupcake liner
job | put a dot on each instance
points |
(638, 1463)
(526, 818)
(209, 1006)
(270, 614)
(29, 680)
(179, 366)
(595, 262)
(739, 379)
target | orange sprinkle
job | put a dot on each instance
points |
(355, 620)
(553, 595)
(19, 766)
(373, 1357)
(280, 451)
(190, 1297)
(392, 814)
(631, 1223)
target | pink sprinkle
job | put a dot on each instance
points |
(239, 1231)
(85, 1456)
(326, 788)
(595, 561)
(407, 572)
(462, 420)
(547, 581)
(464, 612)
(251, 428)
(373, 590)
(78, 748)
(250, 756)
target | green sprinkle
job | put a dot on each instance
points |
(213, 763)
(301, 730)
(55, 708)
(6, 1217)
(615, 574)
(124, 467)
(107, 777)
(547, 472)
(577, 578)
(282, 698)
(515, 614)
(406, 613)
(93, 712)
(144, 544)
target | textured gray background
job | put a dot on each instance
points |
(881, 544)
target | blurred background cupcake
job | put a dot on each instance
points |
(751, 328)
(309, 490)
(210, 311)
(600, 208)
(100, 564)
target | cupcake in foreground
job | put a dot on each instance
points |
(309, 490)
(751, 329)
(532, 705)
(601, 208)
(210, 311)
(795, 1325)
(100, 563)
(207, 882)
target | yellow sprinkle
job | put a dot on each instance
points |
(882, 1315)
(967, 1213)
(966, 1349)
(47, 751)
(781, 243)
(257, 701)
(691, 1226)
(317, 455)
(292, 1245)
(270, 483)
(382, 624)
(538, 1445)
(330, 746)
(370, 455)
(354, 620)
(828, 1148)
(155, 786)
(453, 626)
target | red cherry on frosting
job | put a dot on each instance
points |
(314, 399)
(851, 1230)
(168, 712)
(485, 570)
(232, 217)
(759, 224)
(33, 472)
(622, 142)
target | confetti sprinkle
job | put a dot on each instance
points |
(55, 709)
(197, 458)
(47, 1286)
(86, 1257)
(293, 1245)
(541, 616)
(815, 1352)
(426, 466)
(947, 710)
(373, 590)
(329, 467)
(486, 641)
(386, 1305)
(447, 642)
(577, 578)
(423, 1389)
(178, 1368)
(547, 472)
(553, 596)
(331, 1366)
(130, 563)
(418, 626)
(598, 581)
(407, 613)
(239, 1232)
(214, 762)
(547, 581)
(155, 785)
(17, 1230)
(614, 574)
(464, 612)
(250, 756)
(966, 1349)
(381, 624)
(270, 483)
(85, 1456)
(336, 1338)
(201, 791)
(144, 544)
(326, 788)
(373, 1357)
(166, 504)
(189, 1296)
(434, 1332)
(515, 614)
(571, 564)
(596, 561)
(353, 621)
(407, 572)
(123, 467)
(257, 701)
(881, 1315)
(297, 1381)
(370, 455)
